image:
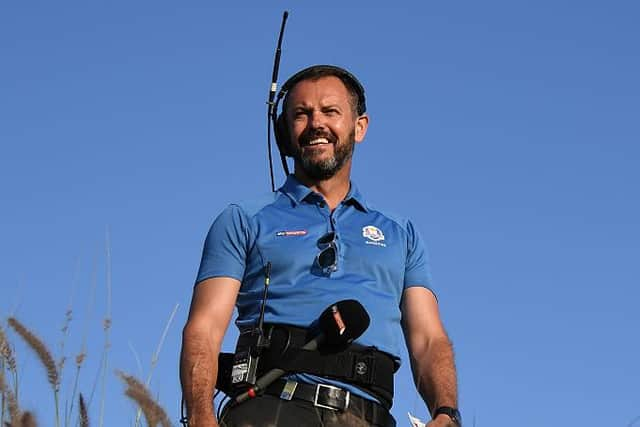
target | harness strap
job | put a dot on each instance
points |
(370, 368)
(366, 367)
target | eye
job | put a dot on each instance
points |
(299, 114)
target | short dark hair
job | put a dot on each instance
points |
(315, 72)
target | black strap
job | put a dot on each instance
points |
(334, 398)
(365, 367)
(452, 413)
(370, 369)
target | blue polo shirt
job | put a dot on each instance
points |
(379, 256)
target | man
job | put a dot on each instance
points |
(323, 243)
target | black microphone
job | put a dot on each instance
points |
(343, 322)
(340, 324)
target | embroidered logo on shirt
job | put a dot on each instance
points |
(374, 235)
(288, 233)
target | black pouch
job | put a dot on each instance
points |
(225, 366)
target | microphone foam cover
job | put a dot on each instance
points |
(343, 322)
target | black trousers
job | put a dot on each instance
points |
(271, 411)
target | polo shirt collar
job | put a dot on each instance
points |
(297, 192)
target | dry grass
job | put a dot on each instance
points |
(45, 357)
(84, 416)
(11, 414)
(6, 352)
(68, 316)
(28, 419)
(152, 411)
(7, 361)
(41, 351)
(13, 407)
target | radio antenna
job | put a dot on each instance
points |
(272, 95)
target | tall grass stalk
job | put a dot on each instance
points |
(8, 362)
(136, 356)
(79, 359)
(156, 355)
(4, 391)
(6, 353)
(45, 357)
(90, 305)
(12, 402)
(68, 317)
(107, 328)
(14, 408)
(2, 385)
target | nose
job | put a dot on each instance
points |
(317, 120)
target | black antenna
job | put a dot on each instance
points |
(272, 95)
(267, 282)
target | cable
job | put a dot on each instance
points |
(220, 406)
(272, 94)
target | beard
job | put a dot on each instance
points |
(324, 169)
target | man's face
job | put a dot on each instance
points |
(323, 127)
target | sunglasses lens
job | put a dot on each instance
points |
(327, 258)
(327, 238)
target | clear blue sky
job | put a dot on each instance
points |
(508, 131)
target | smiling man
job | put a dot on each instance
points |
(317, 241)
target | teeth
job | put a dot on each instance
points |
(319, 141)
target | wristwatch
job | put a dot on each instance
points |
(452, 413)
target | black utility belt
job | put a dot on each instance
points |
(365, 367)
(333, 398)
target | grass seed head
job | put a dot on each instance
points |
(6, 352)
(84, 416)
(41, 351)
(15, 416)
(80, 358)
(137, 391)
(28, 419)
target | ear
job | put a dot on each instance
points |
(362, 123)
(282, 136)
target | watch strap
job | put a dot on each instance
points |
(452, 413)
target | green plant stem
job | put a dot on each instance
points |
(15, 384)
(73, 395)
(2, 391)
(156, 355)
(107, 324)
(56, 399)
(104, 380)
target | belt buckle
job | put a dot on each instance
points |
(331, 388)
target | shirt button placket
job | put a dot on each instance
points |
(334, 228)
(332, 219)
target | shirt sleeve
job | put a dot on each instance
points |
(226, 246)
(417, 271)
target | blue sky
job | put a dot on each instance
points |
(508, 132)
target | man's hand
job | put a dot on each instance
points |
(441, 421)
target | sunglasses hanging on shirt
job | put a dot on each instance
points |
(327, 258)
